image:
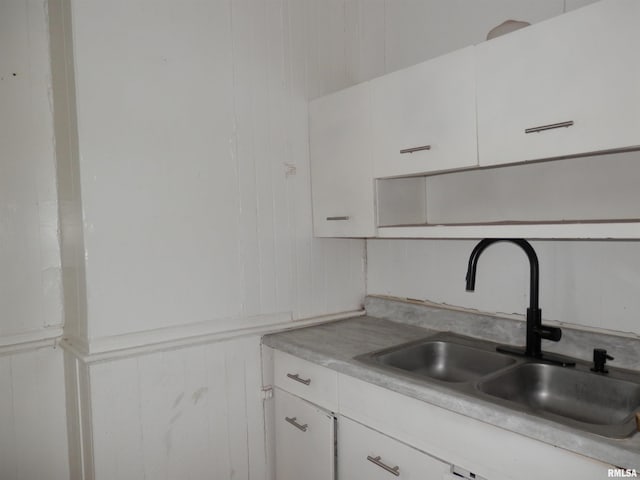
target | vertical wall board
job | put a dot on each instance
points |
(298, 182)
(194, 412)
(218, 411)
(162, 393)
(245, 70)
(74, 420)
(8, 465)
(191, 436)
(319, 258)
(310, 32)
(372, 39)
(331, 41)
(33, 441)
(237, 419)
(263, 90)
(365, 39)
(163, 89)
(116, 409)
(280, 96)
(30, 284)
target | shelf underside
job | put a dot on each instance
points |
(560, 229)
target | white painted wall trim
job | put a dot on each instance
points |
(30, 340)
(138, 343)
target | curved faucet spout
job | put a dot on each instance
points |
(534, 281)
(535, 330)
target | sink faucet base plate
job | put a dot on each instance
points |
(553, 358)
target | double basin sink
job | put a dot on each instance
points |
(604, 404)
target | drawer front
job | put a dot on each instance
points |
(365, 453)
(312, 382)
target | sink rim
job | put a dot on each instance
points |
(484, 347)
(471, 389)
(622, 429)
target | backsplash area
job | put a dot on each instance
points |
(575, 342)
(591, 284)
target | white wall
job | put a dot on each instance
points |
(189, 413)
(194, 165)
(588, 283)
(33, 440)
(30, 282)
(189, 184)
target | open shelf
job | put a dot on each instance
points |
(578, 198)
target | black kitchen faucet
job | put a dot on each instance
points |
(535, 330)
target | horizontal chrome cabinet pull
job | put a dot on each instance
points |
(292, 421)
(415, 149)
(345, 217)
(549, 127)
(393, 470)
(296, 377)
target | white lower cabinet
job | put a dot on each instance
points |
(365, 453)
(304, 439)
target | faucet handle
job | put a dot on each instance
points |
(600, 357)
(550, 333)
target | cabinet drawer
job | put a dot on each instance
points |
(365, 453)
(305, 439)
(305, 379)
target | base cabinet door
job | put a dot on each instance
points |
(366, 454)
(304, 439)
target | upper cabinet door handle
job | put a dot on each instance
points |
(551, 126)
(296, 377)
(415, 149)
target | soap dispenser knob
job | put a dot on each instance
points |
(600, 358)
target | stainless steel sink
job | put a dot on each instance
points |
(443, 360)
(605, 403)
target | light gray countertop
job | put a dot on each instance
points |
(334, 345)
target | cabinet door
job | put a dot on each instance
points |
(341, 166)
(424, 117)
(566, 86)
(304, 439)
(365, 453)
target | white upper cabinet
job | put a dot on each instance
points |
(424, 117)
(567, 86)
(341, 166)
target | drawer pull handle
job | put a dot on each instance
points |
(549, 127)
(292, 421)
(376, 460)
(415, 149)
(296, 377)
(333, 219)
